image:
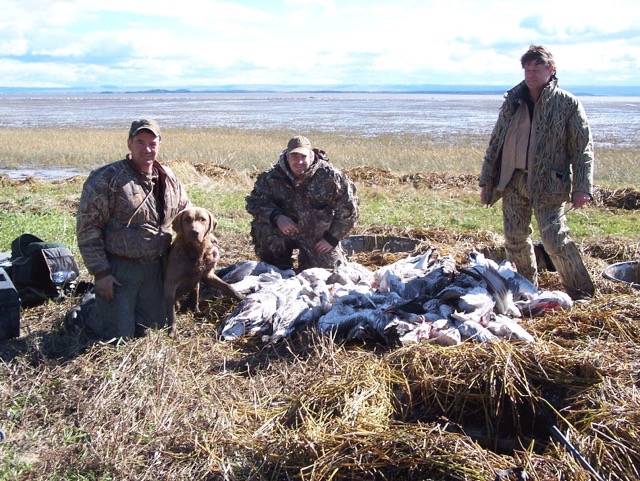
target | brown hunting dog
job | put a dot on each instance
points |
(193, 257)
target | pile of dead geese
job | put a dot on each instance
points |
(421, 298)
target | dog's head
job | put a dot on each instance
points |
(194, 224)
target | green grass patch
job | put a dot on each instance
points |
(227, 205)
(50, 226)
(424, 209)
(48, 210)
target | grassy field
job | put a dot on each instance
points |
(199, 408)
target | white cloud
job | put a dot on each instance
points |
(192, 42)
(13, 46)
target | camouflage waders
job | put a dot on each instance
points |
(137, 304)
(517, 209)
(273, 247)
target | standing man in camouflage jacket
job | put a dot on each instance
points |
(124, 229)
(304, 203)
(540, 156)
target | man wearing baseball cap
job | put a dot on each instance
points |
(124, 229)
(303, 202)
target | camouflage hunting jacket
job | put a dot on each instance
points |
(563, 160)
(323, 202)
(119, 214)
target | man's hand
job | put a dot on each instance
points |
(104, 287)
(580, 199)
(323, 247)
(286, 225)
(483, 195)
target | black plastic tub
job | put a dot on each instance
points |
(625, 272)
(370, 243)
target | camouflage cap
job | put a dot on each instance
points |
(144, 124)
(299, 144)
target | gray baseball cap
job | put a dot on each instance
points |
(299, 144)
(144, 124)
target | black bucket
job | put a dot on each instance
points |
(625, 272)
(370, 243)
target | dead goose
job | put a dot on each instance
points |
(534, 305)
(252, 316)
(508, 328)
(350, 273)
(519, 285)
(421, 332)
(293, 316)
(497, 286)
(353, 315)
(472, 330)
(477, 304)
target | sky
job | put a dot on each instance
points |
(207, 43)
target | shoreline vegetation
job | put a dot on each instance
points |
(199, 408)
(256, 150)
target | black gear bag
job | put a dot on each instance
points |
(41, 270)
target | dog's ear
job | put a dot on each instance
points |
(213, 223)
(176, 224)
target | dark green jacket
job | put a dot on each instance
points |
(323, 203)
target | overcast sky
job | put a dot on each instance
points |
(195, 43)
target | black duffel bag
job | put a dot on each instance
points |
(42, 270)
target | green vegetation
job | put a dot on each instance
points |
(48, 208)
(199, 408)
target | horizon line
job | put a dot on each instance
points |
(626, 90)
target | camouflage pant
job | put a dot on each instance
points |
(273, 247)
(517, 210)
(137, 303)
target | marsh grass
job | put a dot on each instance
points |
(243, 150)
(308, 409)
(255, 150)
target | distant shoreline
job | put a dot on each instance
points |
(581, 90)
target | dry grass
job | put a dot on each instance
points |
(254, 150)
(310, 409)
(199, 408)
(250, 150)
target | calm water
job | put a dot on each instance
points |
(614, 120)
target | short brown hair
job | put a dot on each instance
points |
(540, 54)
